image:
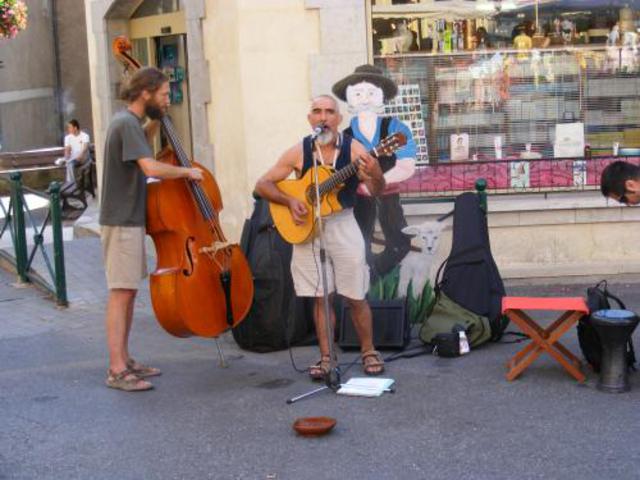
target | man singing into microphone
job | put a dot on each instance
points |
(348, 272)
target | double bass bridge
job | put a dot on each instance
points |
(215, 247)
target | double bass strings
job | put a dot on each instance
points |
(205, 206)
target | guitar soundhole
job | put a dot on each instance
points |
(310, 194)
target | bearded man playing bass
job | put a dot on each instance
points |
(348, 272)
(128, 161)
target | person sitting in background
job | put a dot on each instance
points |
(620, 181)
(76, 149)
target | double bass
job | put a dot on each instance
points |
(202, 284)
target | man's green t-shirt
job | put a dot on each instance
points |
(124, 190)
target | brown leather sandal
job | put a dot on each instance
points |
(372, 363)
(319, 370)
(127, 381)
(143, 371)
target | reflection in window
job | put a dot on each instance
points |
(156, 7)
(140, 50)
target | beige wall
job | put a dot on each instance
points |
(550, 235)
(97, 69)
(258, 54)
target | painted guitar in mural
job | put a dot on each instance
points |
(330, 183)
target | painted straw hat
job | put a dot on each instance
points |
(366, 73)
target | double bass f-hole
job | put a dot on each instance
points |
(191, 258)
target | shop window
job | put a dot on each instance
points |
(502, 79)
(149, 8)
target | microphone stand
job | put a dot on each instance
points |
(332, 378)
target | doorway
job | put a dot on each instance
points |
(161, 41)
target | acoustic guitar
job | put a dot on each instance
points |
(330, 183)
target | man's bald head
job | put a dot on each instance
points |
(325, 97)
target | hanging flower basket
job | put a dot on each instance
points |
(13, 18)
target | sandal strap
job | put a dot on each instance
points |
(324, 360)
(371, 353)
(140, 369)
(127, 380)
(375, 355)
(122, 375)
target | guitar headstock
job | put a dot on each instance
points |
(390, 144)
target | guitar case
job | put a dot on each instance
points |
(277, 318)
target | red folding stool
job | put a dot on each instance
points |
(544, 339)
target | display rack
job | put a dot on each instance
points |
(406, 106)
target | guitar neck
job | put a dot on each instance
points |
(341, 175)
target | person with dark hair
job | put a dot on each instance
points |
(620, 181)
(346, 262)
(128, 161)
(482, 39)
(76, 149)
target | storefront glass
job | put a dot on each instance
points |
(156, 7)
(491, 80)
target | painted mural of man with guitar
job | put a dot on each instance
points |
(343, 164)
(366, 90)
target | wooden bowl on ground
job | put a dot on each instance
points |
(314, 426)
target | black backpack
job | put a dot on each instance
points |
(277, 318)
(598, 299)
(470, 277)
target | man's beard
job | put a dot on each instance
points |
(153, 111)
(326, 137)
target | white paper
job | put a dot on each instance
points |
(459, 147)
(579, 173)
(497, 144)
(366, 387)
(519, 174)
(569, 141)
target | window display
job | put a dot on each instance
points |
(508, 73)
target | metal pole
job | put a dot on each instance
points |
(58, 245)
(481, 188)
(332, 379)
(58, 68)
(20, 236)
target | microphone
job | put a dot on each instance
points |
(317, 131)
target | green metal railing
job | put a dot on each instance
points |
(15, 217)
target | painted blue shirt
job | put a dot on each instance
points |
(408, 151)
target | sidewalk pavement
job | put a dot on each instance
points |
(450, 418)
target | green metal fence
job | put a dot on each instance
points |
(16, 215)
